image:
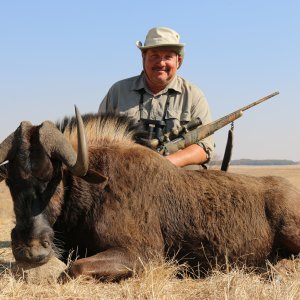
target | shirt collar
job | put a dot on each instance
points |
(138, 84)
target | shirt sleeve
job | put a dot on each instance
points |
(103, 105)
(106, 105)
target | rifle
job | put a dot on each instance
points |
(194, 131)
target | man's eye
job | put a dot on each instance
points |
(170, 57)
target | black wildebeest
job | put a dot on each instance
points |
(117, 203)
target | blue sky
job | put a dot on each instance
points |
(55, 54)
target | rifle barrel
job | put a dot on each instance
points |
(259, 101)
(206, 130)
(210, 128)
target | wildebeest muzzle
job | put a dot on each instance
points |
(33, 243)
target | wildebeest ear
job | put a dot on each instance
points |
(3, 172)
(94, 177)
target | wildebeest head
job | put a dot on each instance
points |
(35, 157)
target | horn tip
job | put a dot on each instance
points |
(77, 112)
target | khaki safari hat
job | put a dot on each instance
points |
(162, 37)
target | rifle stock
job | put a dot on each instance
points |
(203, 131)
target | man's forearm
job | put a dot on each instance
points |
(191, 155)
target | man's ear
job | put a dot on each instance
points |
(179, 60)
(143, 58)
(94, 177)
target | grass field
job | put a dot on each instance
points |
(158, 280)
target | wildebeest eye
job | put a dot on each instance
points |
(42, 170)
(42, 186)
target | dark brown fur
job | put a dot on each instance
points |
(146, 207)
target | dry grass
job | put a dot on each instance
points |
(292, 173)
(158, 280)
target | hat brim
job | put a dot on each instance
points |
(141, 47)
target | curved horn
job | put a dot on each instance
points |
(5, 147)
(82, 163)
(57, 145)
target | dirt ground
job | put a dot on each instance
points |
(6, 224)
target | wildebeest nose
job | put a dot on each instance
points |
(45, 244)
(35, 251)
(39, 254)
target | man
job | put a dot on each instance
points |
(160, 98)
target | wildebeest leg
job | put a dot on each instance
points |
(290, 222)
(290, 235)
(110, 265)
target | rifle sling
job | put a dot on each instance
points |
(228, 151)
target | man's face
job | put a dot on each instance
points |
(160, 65)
